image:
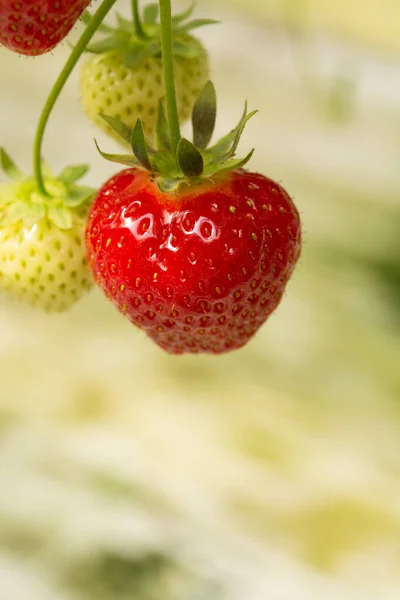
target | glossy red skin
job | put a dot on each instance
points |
(33, 27)
(198, 273)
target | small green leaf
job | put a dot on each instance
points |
(9, 167)
(183, 15)
(139, 145)
(204, 116)
(134, 56)
(29, 214)
(163, 161)
(125, 159)
(60, 216)
(236, 141)
(154, 48)
(188, 49)
(105, 45)
(123, 130)
(72, 173)
(123, 38)
(150, 14)
(78, 196)
(222, 146)
(163, 141)
(124, 24)
(195, 24)
(232, 164)
(189, 158)
(226, 146)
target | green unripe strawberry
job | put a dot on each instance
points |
(126, 93)
(124, 78)
(42, 254)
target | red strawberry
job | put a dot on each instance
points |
(201, 271)
(33, 27)
(197, 252)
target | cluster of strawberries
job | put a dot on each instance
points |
(191, 247)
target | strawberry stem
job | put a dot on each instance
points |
(85, 38)
(168, 69)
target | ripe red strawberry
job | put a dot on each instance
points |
(199, 272)
(198, 255)
(33, 27)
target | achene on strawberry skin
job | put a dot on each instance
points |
(201, 271)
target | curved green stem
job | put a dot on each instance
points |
(137, 21)
(168, 69)
(87, 35)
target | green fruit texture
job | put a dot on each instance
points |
(111, 88)
(41, 264)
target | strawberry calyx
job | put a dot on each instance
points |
(141, 37)
(192, 162)
(21, 200)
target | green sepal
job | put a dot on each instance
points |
(124, 159)
(9, 167)
(186, 49)
(193, 161)
(231, 164)
(163, 161)
(73, 173)
(195, 24)
(184, 14)
(21, 202)
(150, 14)
(154, 49)
(189, 158)
(204, 116)
(28, 213)
(222, 146)
(226, 146)
(163, 140)
(123, 130)
(78, 196)
(236, 141)
(105, 45)
(136, 41)
(123, 24)
(60, 216)
(134, 56)
(139, 146)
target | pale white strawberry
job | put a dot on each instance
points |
(126, 93)
(124, 77)
(42, 253)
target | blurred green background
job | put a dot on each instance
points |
(269, 473)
